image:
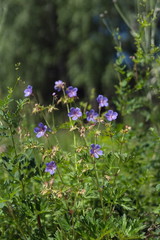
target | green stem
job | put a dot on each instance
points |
(147, 29)
(99, 113)
(153, 26)
(60, 176)
(96, 136)
(75, 158)
(121, 144)
(124, 18)
(54, 127)
(13, 142)
(75, 145)
(64, 94)
(74, 136)
(56, 139)
(16, 155)
(53, 119)
(66, 203)
(107, 26)
(98, 188)
(85, 140)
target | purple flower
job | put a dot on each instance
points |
(41, 130)
(51, 167)
(91, 115)
(75, 113)
(95, 150)
(28, 91)
(71, 92)
(110, 115)
(103, 101)
(58, 85)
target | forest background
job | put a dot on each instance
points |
(65, 40)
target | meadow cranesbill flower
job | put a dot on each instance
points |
(110, 115)
(71, 92)
(51, 167)
(28, 91)
(103, 101)
(95, 150)
(91, 115)
(41, 130)
(75, 113)
(58, 85)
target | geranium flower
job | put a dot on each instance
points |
(110, 115)
(75, 113)
(41, 130)
(28, 91)
(91, 115)
(103, 101)
(71, 92)
(95, 150)
(59, 85)
(51, 167)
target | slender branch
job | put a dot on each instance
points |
(124, 18)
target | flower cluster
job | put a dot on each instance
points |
(74, 113)
(70, 91)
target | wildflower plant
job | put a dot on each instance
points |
(86, 182)
(83, 174)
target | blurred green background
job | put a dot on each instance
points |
(62, 39)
